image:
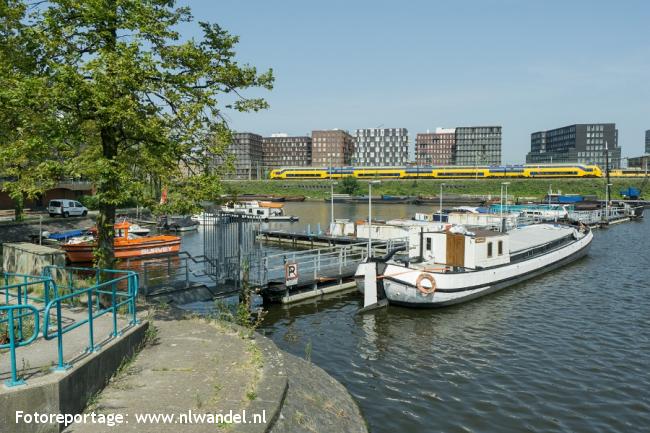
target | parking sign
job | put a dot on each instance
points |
(290, 274)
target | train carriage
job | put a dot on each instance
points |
(445, 172)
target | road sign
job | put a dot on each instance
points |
(290, 274)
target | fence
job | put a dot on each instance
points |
(59, 288)
(229, 244)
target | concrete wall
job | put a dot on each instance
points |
(67, 392)
(29, 259)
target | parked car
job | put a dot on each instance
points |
(66, 208)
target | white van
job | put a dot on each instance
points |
(66, 208)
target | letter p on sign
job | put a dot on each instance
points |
(290, 274)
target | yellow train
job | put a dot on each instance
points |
(444, 172)
(627, 172)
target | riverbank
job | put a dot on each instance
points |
(197, 367)
(537, 188)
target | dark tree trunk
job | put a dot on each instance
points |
(105, 253)
(109, 185)
(19, 206)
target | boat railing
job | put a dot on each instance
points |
(34, 300)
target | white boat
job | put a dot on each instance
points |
(264, 210)
(202, 217)
(139, 230)
(459, 265)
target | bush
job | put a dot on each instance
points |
(349, 185)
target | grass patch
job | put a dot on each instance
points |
(534, 188)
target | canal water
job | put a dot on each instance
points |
(566, 352)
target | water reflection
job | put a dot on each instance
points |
(564, 352)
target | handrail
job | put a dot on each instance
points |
(12, 345)
(53, 305)
(92, 294)
(27, 281)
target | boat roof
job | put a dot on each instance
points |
(523, 238)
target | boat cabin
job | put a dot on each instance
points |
(466, 249)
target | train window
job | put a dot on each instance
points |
(460, 174)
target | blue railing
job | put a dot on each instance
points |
(16, 341)
(60, 287)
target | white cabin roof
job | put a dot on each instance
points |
(526, 237)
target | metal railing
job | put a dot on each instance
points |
(598, 215)
(63, 287)
(16, 341)
(179, 271)
(320, 263)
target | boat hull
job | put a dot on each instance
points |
(83, 253)
(456, 288)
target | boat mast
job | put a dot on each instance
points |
(607, 188)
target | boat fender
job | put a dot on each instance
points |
(425, 290)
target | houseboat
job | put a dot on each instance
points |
(457, 265)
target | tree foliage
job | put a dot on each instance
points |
(349, 185)
(124, 101)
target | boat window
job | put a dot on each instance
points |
(489, 247)
(428, 244)
(500, 248)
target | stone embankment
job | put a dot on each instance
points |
(198, 368)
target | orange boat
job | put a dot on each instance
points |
(124, 247)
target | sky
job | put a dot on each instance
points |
(527, 65)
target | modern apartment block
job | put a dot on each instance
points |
(639, 162)
(280, 150)
(647, 141)
(436, 148)
(478, 145)
(332, 147)
(380, 147)
(247, 150)
(580, 143)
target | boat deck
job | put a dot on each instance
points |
(527, 237)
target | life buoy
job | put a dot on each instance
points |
(425, 290)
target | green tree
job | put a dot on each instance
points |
(26, 129)
(138, 107)
(349, 185)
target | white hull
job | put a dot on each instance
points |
(399, 282)
(185, 228)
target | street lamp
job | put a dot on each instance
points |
(370, 184)
(440, 205)
(332, 204)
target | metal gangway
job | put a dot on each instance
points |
(319, 265)
(599, 216)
